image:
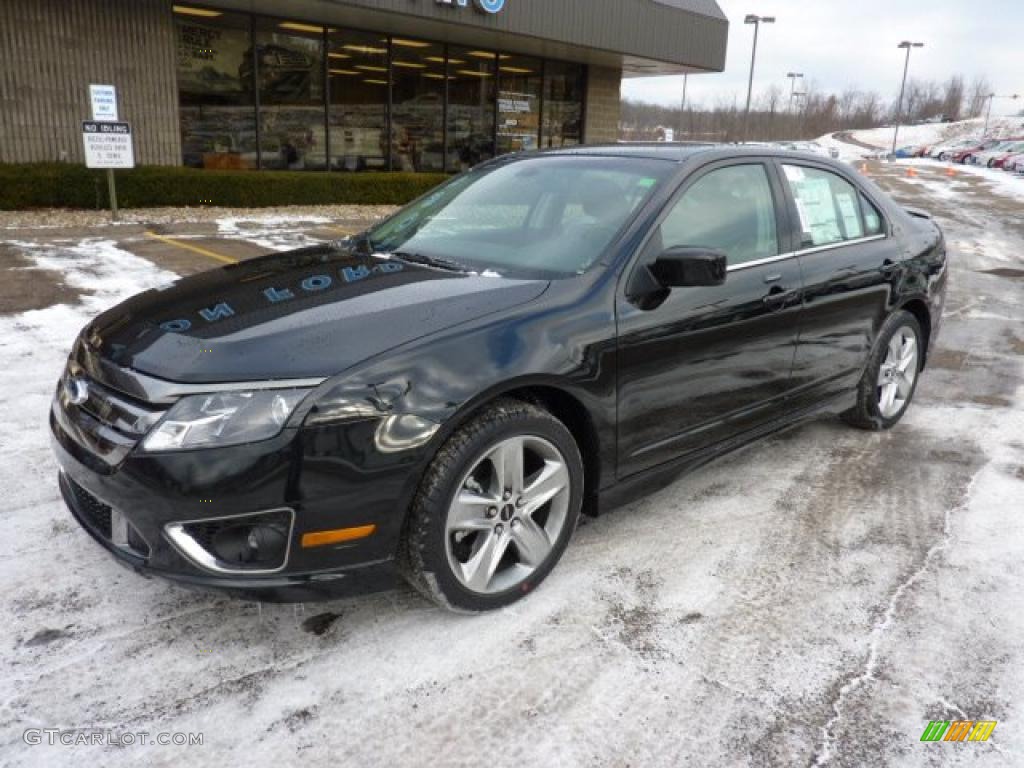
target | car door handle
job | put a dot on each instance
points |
(779, 296)
(771, 279)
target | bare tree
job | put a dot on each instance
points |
(978, 95)
(953, 98)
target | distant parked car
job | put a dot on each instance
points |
(998, 159)
(1014, 163)
(964, 155)
(905, 152)
(942, 151)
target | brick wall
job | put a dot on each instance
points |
(51, 50)
(603, 105)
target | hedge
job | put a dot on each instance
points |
(64, 185)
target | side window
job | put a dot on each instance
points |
(872, 218)
(828, 205)
(731, 210)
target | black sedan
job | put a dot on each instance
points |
(442, 396)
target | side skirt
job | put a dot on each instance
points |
(656, 478)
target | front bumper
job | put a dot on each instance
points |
(328, 477)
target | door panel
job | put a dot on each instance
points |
(709, 363)
(848, 265)
(846, 292)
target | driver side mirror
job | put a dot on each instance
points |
(682, 266)
(687, 267)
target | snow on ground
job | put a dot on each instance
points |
(815, 599)
(998, 181)
(275, 233)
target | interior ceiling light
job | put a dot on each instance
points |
(189, 11)
(365, 49)
(409, 43)
(295, 26)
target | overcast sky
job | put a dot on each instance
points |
(852, 43)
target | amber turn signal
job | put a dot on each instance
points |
(337, 536)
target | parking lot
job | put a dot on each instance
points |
(813, 600)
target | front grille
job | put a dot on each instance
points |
(96, 513)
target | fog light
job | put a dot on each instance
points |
(251, 545)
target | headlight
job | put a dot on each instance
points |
(224, 418)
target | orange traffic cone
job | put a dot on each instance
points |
(951, 171)
(864, 168)
(911, 172)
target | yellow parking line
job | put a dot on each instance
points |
(193, 248)
(342, 231)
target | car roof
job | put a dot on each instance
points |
(680, 152)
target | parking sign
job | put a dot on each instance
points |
(104, 103)
(108, 145)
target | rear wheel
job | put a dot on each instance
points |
(496, 509)
(890, 380)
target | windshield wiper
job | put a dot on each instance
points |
(429, 261)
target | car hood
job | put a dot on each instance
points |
(297, 315)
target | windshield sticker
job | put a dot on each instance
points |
(819, 215)
(851, 220)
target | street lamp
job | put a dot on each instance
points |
(988, 115)
(899, 105)
(757, 21)
(792, 86)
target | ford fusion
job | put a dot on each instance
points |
(442, 396)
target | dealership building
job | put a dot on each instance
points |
(338, 85)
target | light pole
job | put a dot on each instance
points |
(899, 105)
(757, 21)
(792, 86)
(988, 115)
(682, 114)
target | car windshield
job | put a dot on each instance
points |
(546, 217)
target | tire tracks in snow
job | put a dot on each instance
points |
(880, 629)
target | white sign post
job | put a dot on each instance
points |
(108, 145)
(104, 150)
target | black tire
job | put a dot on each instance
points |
(422, 554)
(866, 414)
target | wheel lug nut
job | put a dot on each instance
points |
(499, 529)
(492, 512)
(514, 524)
(520, 502)
(507, 495)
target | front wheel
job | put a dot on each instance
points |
(890, 379)
(495, 510)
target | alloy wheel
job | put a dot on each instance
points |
(898, 372)
(507, 514)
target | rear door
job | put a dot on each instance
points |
(708, 364)
(849, 262)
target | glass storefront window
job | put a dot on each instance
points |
(357, 75)
(519, 86)
(471, 92)
(563, 104)
(272, 93)
(217, 110)
(290, 67)
(417, 105)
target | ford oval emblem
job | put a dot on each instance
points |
(77, 391)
